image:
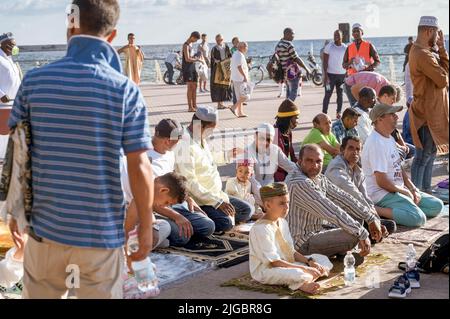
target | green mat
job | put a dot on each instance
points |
(334, 282)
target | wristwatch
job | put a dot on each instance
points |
(310, 259)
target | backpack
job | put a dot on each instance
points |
(434, 259)
(275, 69)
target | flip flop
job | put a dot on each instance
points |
(233, 111)
(245, 115)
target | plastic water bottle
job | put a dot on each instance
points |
(349, 269)
(411, 261)
(133, 242)
(144, 272)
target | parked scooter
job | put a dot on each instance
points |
(315, 75)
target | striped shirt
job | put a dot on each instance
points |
(319, 200)
(83, 112)
(286, 52)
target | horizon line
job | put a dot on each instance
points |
(249, 41)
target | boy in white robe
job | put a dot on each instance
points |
(273, 259)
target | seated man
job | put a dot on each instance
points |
(346, 126)
(344, 172)
(366, 101)
(387, 183)
(321, 135)
(195, 161)
(186, 219)
(315, 199)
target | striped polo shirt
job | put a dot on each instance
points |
(286, 51)
(83, 114)
(319, 200)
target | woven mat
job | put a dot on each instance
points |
(333, 283)
(423, 236)
(223, 251)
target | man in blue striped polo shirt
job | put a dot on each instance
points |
(83, 113)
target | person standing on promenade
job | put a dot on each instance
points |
(291, 63)
(189, 73)
(334, 73)
(406, 50)
(172, 61)
(239, 77)
(77, 142)
(10, 78)
(203, 50)
(220, 73)
(134, 59)
(429, 110)
(360, 55)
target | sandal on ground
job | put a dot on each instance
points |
(401, 287)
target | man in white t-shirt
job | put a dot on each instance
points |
(388, 185)
(239, 76)
(186, 219)
(334, 73)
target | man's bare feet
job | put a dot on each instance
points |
(310, 288)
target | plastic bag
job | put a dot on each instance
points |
(246, 90)
(202, 71)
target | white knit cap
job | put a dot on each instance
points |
(357, 26)
(429, 21)
(266, 128)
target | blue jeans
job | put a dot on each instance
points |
(292, 88)
(407, 213)
(201, 225)
(336, 81)
(244, 212)
(422, 166)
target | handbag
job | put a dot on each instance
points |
(223, 73)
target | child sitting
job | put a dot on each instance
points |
(273, 259)
(241, 186)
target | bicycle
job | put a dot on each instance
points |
(179, 80)
(256, 74)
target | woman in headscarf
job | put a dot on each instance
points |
(287, 121)
(220, 73)
(134, 59)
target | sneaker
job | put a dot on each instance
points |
(401, 287)
(414, 278)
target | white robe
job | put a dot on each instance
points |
(265, 249)
(9, 78)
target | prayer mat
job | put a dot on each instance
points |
(423, 236)
(223, 251)
(333, 283)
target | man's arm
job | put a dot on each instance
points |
(333, 151)
(346, 63)
(376, 59)
(122, 49)
(436, 71)
(242, 73)
(326, 57)
(285, 163)
(338, 175)
(305, 194)
(141, 182)
(356, 208)
(387, 185)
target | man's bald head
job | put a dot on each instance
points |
(310, 148)
(319, 118)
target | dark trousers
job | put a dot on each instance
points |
(171, 72)
(336, 81)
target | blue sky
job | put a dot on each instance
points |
(171, 21)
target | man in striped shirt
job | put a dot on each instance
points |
(83, 112)
(315, 199)
(291, 62)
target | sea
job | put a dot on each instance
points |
(389, 48)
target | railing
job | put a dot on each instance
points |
(154, 68)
